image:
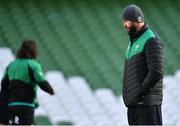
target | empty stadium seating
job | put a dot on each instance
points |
(85, 40)
(75, 103)
(85, 37)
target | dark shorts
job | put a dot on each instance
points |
(21, 115)
(145, 115)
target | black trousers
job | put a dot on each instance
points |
(145, 115)
(21, 115)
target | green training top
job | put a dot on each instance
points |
(23, 87)
(138, 45)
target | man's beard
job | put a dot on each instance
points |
(132, 31)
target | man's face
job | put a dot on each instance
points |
(129, 26)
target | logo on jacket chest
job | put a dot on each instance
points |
(136, 47)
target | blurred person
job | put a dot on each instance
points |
(143, 70)
(19, 85)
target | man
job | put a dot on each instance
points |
(19, 85)
(143, 70)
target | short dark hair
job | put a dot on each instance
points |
(28, 50)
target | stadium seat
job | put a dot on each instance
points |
(110, 104)
(6, 57)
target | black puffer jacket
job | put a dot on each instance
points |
(143, 73)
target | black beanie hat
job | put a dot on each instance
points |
(133, 13)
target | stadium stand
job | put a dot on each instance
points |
(75, 103)
(81, 45)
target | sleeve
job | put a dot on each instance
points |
(36, 75)
(154, 59)
(44, 85)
